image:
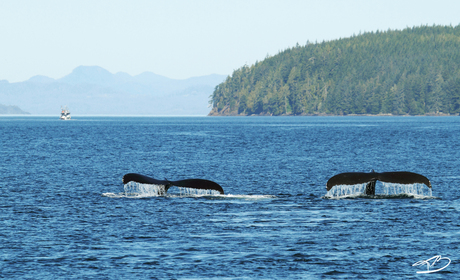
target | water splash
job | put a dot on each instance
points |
(193, 192)
(346, 190)
(389, 190)
(143, 190)
(137, 190)
(414, 189)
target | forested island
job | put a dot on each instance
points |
(415, 71)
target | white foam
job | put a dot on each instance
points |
(248, 196)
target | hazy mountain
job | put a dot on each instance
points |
(89, 75)
(11, 110)
(92, 90)
(41, 79)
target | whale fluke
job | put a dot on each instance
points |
(188, 183)
(353, 178)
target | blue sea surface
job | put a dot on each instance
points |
(65, 213)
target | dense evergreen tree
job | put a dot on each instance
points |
(415, 71)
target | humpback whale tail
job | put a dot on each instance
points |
(188, 183)
(353, 178)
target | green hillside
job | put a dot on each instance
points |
(415, 71)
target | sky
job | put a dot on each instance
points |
(183, 39)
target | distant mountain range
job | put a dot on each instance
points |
(92, 90)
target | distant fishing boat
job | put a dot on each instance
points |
(65, 113)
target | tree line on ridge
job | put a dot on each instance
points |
(415, 71)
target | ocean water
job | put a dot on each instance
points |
(65, 214)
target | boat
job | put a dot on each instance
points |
(65, 113)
